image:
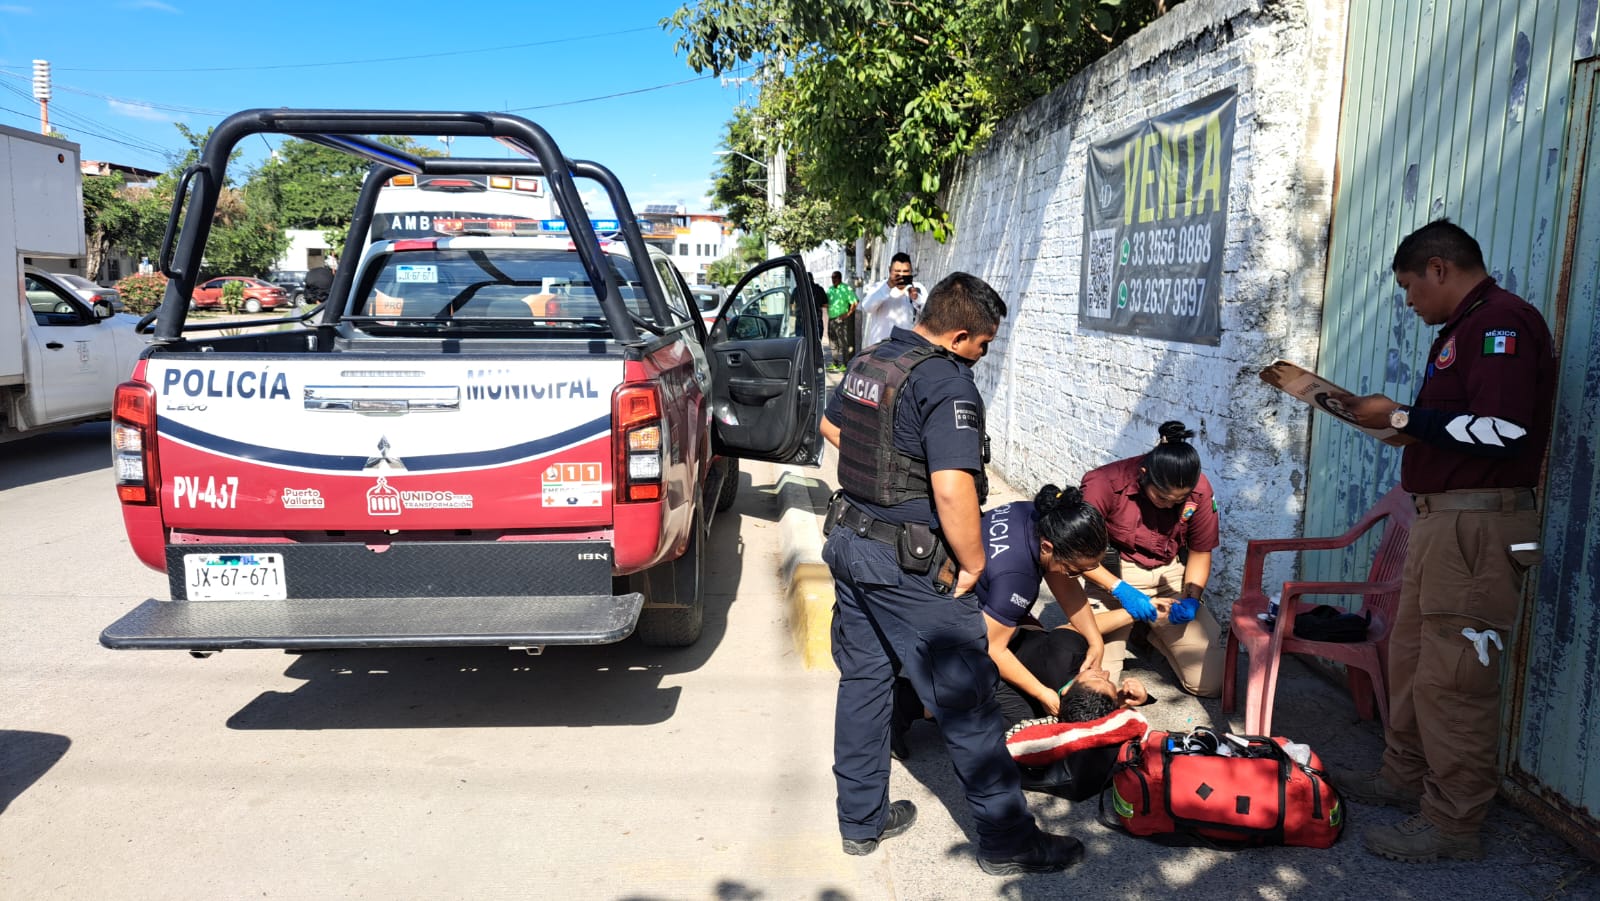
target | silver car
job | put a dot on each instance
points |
(92, 293)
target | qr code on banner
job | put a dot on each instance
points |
(1101, 266)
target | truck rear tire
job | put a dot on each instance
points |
(730, 484)
(675, 582)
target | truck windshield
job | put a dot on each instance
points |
(479, 287)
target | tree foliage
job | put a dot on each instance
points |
(747, 252)
(305, 186)
(878, 99)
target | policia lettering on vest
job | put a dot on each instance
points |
(908, 422)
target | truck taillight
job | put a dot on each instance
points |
(640, 439)
(133, 438)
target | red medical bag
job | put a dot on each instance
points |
(1254, 794)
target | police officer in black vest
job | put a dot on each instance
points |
(905, 549)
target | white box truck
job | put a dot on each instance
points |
(60, 360)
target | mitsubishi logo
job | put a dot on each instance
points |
(383, 460)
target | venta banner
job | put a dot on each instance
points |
(1155, 212)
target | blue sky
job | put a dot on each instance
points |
(124, 70)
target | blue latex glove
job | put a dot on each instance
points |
(1183, 611)
(1136, 602)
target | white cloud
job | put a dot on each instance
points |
(11, 9)
(152, 5)
(139, 111)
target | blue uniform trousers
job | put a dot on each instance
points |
(887, 621)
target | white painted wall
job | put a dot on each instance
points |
(1063, 399)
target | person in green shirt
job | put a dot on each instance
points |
(841, 321)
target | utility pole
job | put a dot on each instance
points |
(41, 93)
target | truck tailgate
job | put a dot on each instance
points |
(362, 442)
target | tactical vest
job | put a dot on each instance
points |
(871, 468)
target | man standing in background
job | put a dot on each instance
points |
(841, 321)
(893, 304)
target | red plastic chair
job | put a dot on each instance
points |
(1365, 661)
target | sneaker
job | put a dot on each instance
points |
(1049, 854)
(901, 815)
(1372, 788)
(1415, 840)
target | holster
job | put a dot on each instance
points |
(1112, 561)
(836, 505)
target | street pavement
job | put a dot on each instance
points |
(611, 772)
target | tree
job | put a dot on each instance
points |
(119, 216)
(877, 100)
(748, 251)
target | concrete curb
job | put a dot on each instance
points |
(809, 595)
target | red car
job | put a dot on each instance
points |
(258, 295)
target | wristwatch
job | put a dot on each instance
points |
(1399, 418)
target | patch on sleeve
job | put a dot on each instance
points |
(967, 415)
(1020, 601)
(1500, 341)
(1189, 509)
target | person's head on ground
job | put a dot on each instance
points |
(837, 277)
(1436, 266)
(1171, 469)
(1093, 695)
(962, 315)
(900, 270)
(1072, 532)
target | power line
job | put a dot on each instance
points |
(363, 62)
(670, 84)
(88, 131)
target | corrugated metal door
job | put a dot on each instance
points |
(1452, 108)
(1557, 757)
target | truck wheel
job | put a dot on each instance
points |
(730, 484)
(675, 582)
(299, 298)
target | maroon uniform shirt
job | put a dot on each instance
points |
(1483, 412)
(1142, 532)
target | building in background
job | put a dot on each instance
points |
(693, 240)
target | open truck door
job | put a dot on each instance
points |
(767, 382)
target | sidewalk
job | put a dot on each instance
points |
(1522, 859)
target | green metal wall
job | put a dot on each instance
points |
(1453, 108)
(1470, 109)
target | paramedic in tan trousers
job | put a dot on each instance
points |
(1474, 440)
(1161, 517)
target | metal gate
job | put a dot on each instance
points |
(1555, 764)
(1470, 109)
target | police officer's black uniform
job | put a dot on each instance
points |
(890, 619)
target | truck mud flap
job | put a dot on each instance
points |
(375, 622)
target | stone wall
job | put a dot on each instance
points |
(1064, 399)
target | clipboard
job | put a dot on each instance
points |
(1305, 385)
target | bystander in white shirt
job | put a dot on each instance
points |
(885, 307)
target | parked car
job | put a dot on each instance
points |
(708, 298)
(92, 293)
(258, 295)
(293, 283)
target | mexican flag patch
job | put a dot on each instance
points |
(1499, 341)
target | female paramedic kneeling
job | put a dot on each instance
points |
(1057, 537)
(1161, 516)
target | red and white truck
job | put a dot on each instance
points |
(478, 440)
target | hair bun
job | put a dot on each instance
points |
(1052, 496)
(1172, 430)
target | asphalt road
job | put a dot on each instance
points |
(614, 772)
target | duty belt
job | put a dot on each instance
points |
(860, 522)
(1493, 500)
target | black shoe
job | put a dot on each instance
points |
(1049, 854)
(901, 815)
(899, 748)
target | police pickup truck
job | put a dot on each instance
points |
(510, 441)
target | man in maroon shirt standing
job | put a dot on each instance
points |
(1474, 440)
